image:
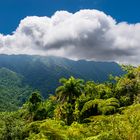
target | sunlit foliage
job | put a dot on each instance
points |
(79, 110)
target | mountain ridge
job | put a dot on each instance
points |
(44, 72)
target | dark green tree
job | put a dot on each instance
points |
(70, 90)
(34, 102)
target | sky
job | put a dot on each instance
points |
(102, 30)
(12, 11)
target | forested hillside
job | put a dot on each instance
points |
(13, 93)
(43, 73)
(79, 110)
(21, 74)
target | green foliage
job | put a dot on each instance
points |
(100, 106)
(79, 111)
(91, 108)
(104, 92)
(48, 130)
(11, 126)
(67, 95)
(110, 127)
(35, 98)
(13, 93)
(70, 89)
(109, 106)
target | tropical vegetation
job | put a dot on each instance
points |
(79, 110)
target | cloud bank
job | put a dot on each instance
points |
(86, 34)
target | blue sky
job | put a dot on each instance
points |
(12, 11)
(31, 27)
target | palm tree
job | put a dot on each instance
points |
(70, 90)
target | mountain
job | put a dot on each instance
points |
(13, 93)
(43, 73)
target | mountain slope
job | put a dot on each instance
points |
(12, 92)
(43, 73)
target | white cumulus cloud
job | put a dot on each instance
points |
(86, 34)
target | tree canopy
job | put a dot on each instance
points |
(79, 110)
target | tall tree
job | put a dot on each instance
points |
(70, 90)
(67, 94)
